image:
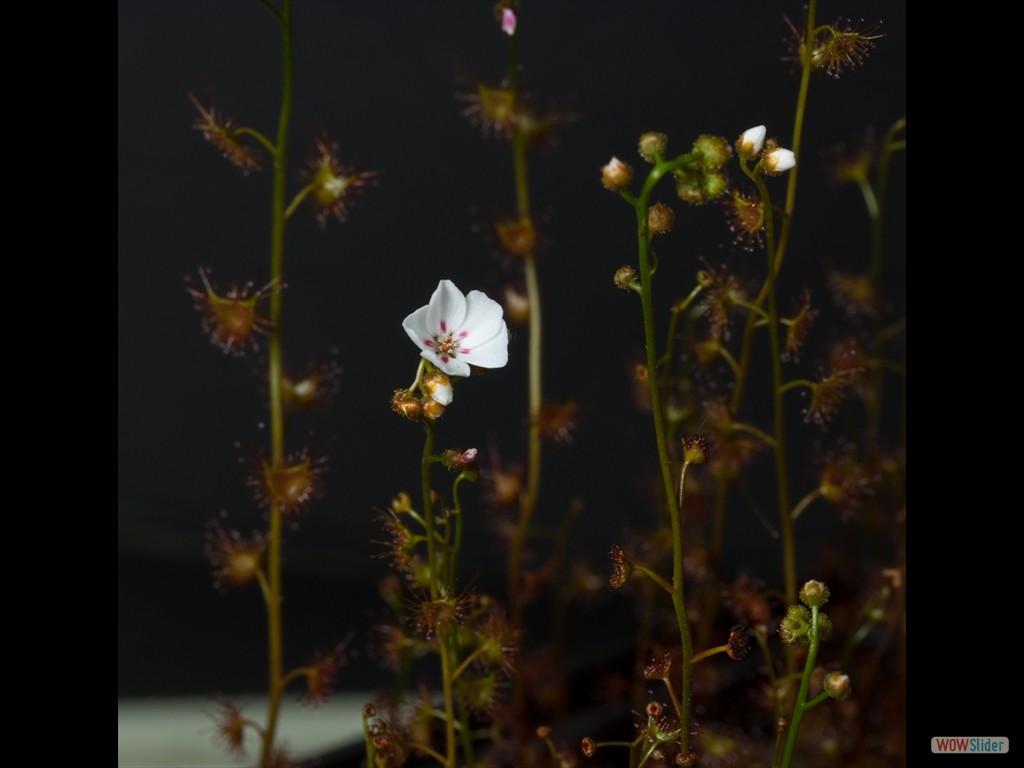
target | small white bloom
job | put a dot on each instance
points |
(751, 142)
(508, 21)
(779, 160)
(455, 331)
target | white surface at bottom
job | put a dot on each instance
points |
(180, 732)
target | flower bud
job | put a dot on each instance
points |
(651, 145)
(621, 568)
(402, 502)
(432, 409)
(714, 151)
(778, 160)
(660, 219)
(517, 236)
(751, 142)
(837, 685)
(508, 21)
(588, 747)
(456, 459)
(404, 403)
(616, 175)
(795, 628)
(715, 185)
(814, 594)
(705, 279)
(517, 306)
(626, 278)
(438, 386)
(738, 645)
(696, 449)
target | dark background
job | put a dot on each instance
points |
(382, 79)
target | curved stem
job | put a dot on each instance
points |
(246, 130)
(804, 503)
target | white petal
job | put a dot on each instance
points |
(416, 326)
(447, 309)
(483, 318)
(441, 392)
(751, 141)
(456, 366)
(780, 160)
(492, 353)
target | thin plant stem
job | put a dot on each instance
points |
(781, 472)
(428, 505)
(802, 705)
(787, 214)
(804, 503)
(662, 168)
(529, 497)
(275, 643)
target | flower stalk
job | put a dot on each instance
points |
(641, 205)
(275, 643)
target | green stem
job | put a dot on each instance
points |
(653, 577)
(798, 383)
(428, 505)
(781, 473)
(767, 439)
(653, 381)
(804, 503)
(802, 705)
(246, 130)
(449, 701)
(275, 644)
(787, 216)
(456, 548)
(528, 500)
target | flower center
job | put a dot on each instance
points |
(446, 344)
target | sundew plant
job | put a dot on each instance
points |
(555, 386)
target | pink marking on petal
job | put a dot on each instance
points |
(463, 334)
(444, 326)
(428, 342)
(444, 360)
(465, 350)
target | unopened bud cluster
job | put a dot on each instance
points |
(704, 180)
(796, 627)
(774, 159)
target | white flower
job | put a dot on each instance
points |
(455, 331)
(751, 142)
(778, 160)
